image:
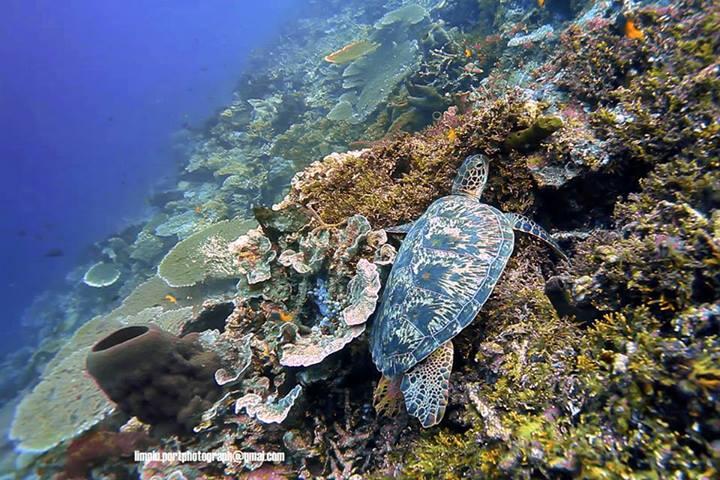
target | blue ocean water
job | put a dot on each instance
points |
(90, 96)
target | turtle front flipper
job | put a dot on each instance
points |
(400, 229)
(523, 224)
(426, 386)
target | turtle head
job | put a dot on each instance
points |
(472, 176)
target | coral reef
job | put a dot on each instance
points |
(351, 52)
(602, 368)
(202, 255)
(99, 447)
(270, 411)
(74, 401)
(101, 275)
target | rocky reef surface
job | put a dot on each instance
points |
(601, 122)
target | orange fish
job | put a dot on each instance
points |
(541, 3)
(170, 298)
(198, 209)
(452, 135)
(631, 31)
(468, 53)
(286, 316)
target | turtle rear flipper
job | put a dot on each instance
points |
(523, 224)
(427, 385)
(387, 398)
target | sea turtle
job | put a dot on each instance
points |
(447, 266)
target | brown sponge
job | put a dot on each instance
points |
(155, 376)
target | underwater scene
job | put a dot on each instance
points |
(360, 239)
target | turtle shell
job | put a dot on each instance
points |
(444, 272)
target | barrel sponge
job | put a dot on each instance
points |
(64, 404)
(101, 275)
(171, 320)
(156, 376)
(152, 300)
(83, 337)
(67, 399)
(204, 255)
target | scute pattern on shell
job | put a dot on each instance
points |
(445, 270)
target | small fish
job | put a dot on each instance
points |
(631, 31)
(198, 209)
(541, 3)
(452, 135)
(286, 316)
(468, 53)
(54, 252)
(170, 298)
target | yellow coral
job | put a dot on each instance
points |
(352, 51)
